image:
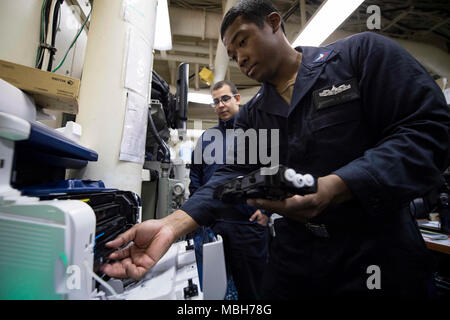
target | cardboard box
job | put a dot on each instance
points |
(50, 90)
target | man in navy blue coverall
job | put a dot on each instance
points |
(362, 115)
(241, 227)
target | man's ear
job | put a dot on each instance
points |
(274, 21)
(238, 98)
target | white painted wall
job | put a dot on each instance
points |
(19, 30)
(70, 24)
(19, 35)
(20, 22)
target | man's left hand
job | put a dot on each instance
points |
(331, 190)
(260, 217)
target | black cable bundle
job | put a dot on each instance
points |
(161, 142)
(47, 13)
(45, 27)
(43, 32)
(56, 21)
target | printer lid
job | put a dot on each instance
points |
(51, 141)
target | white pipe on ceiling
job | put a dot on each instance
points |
(222, 60)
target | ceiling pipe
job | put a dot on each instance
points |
(190, 48)
(182, 58)
(222, 59)
(189, 59)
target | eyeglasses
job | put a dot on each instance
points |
(225, 99)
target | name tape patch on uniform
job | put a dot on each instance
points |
(336, 94)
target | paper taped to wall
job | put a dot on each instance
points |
(138, 64)
(134, 133)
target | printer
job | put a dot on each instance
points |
(53, 230)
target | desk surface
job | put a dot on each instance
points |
(442, 246)
(438, 245)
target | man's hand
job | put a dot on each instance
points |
(151, 240)
(331, 190)
(260, 217)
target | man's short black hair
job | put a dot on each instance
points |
(254, 11)
(220, 84)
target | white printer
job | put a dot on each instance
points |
(47, 246)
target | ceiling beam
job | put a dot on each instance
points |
(443, 21)
(398, 18)
(190, 48)
(302, 13)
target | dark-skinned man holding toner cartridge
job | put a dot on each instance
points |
(363, 116)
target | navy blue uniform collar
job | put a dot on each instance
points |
(226, 124)
(313, 61)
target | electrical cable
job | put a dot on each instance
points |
(160, 141)
(49, 35)
(44, 22)
(74, 41)
(42, 36)
(100, 280)
(43, 39)
(38, 55)
(46, 15)
(55, 24)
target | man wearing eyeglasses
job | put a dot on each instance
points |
(363, 116)
(243, 228)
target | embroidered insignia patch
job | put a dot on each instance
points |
(338, 93)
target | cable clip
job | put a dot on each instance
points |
(48, 47)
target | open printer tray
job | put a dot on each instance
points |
(116, 211)
(45, 156)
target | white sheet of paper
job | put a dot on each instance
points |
(138, 64)
(137, 12)
(134, 134)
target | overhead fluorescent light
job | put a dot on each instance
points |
(324, 22)
(202, 98)
(163, 35)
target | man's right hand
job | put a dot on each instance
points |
(151, 240)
